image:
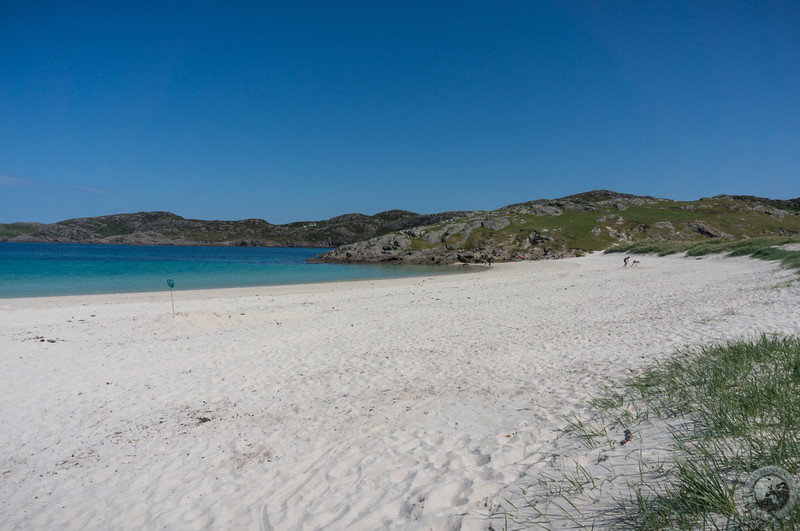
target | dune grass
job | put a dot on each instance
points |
(724, 411)
(765, 248)
(742, 401)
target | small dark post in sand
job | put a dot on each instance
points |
(171, 284)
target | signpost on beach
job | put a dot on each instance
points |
(171, 284)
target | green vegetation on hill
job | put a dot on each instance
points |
(164, 228)
(578, 224)
(545, 228)
(13, 230)
(593, 230)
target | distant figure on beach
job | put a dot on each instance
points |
(635, 263)
(625, 261)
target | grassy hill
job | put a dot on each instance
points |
(578, 224)
(165, 228)
(545, 228)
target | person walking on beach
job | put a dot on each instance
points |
(625, 262)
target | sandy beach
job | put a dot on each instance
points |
(392, 404)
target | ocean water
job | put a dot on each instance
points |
(49, 269)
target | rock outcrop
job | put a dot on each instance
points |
(707, 230)
(571, 226)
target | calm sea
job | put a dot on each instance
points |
(47, 269)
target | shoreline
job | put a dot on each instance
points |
(239, 291)
(300, 285)
(406, 403)
(41, 273)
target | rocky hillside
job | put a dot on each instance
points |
(545, 228)
(575, 225)
(164, 228)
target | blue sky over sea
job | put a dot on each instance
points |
(305, 110)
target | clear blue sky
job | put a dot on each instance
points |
(299, 110)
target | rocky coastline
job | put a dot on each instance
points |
(541, 229)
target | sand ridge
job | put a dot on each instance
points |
(398, 404)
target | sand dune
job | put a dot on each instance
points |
(397, 404)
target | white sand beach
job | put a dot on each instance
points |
(393, 404)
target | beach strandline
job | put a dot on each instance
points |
(398, 404)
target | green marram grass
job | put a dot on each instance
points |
(742, 399)
(764, 248)
(728, 409)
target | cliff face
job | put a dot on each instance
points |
(574, 225)
(164, 228)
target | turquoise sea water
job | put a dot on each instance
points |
(47, 269)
